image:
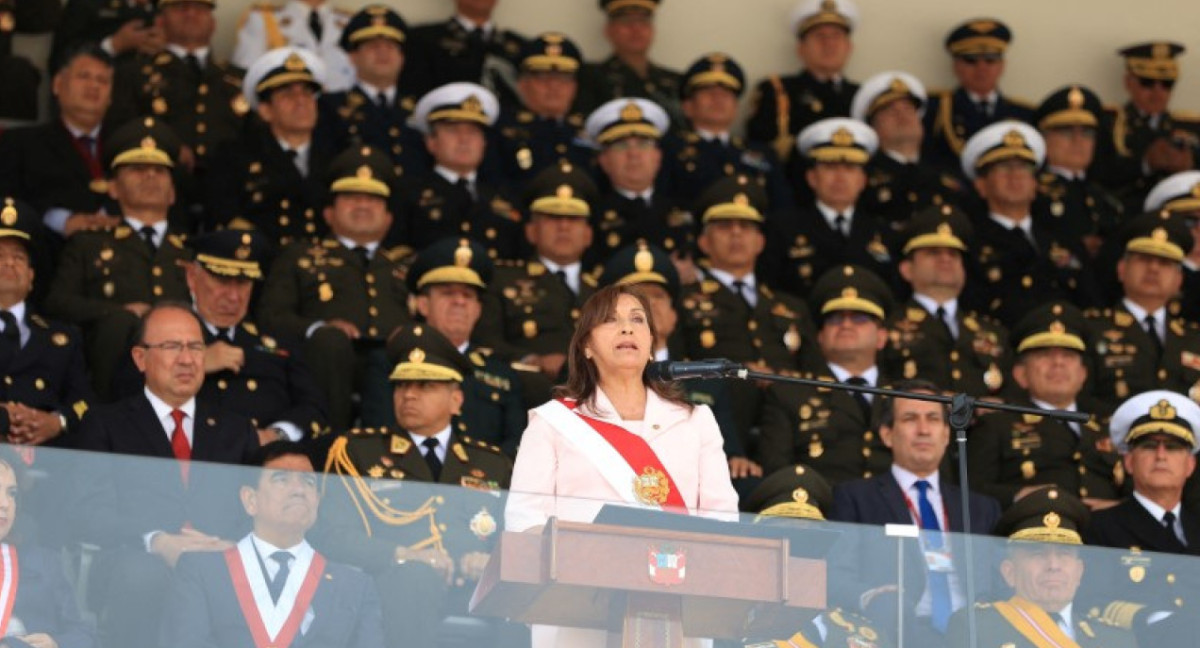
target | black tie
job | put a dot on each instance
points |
(148, 233)
(10, 339)
(739, 287)
(984, 107)
(942, 317)
(193, 63)
(1168, 521)
(431, 458)
(863, 404)
(464, 186)
(1152, 331)
(562, 276)
(364, 256)
(283, 559)
(314, 25)
(1058, 619)
(225, 334)
(839, 223)
(382, 100)
(476, 36)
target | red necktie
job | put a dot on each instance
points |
(180, 445)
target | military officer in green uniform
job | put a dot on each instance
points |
(391, 506)
(952, 117)
(373, 111)
(635, 202)
(183, 85)
(935, 336)
(447, 280)
(106, 279)
(1139, 344)
(834, 430)
(628, 71)
(731, 312)
(543, 130)
(531, 305)
(799, 495)
(707, 149)
(344, 294)
(1044, 567)
(457, 197)
(1146, 140)
(898, 184)
(1076, 206)
(45, 390)
(785, 105)
(1010, 455)
(273, 178)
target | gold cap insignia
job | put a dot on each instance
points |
(462, 256)
(472, 104)
(553, 49)
(294, 63)
(631, 112)
(1159, 235)
(1160, 51)
(741, 200)
(945, 229)
(363, 172)
(850, 293)
(828, 5)
(1051, 520)
(553, 38)
(800, 495)
(378, 21)
(242, 253)
(842, 137)
(148, 143)
(9, 215)
(1057, 327)
(982, 26)
(416, 356)
(564, 191)
(1196, 190)
(898, 85)
(643, 261)
(1014, 139)
(1162, 410)
(1075, 97)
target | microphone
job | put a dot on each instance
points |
(666, 370)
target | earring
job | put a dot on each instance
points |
(587, 354)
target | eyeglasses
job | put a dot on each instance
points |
(1170, 445)
(1166, 84)
(175, 346)
(976, 59)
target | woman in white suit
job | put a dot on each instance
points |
(613, 436)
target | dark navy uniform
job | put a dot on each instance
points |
(91, 21)
(434, 208)
(896, 190)
(530, 143)
(785, 105)
(18, 75)
(951, 118)
(528, 310)
(613, 79)
(446, 52)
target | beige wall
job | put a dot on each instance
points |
(1056, 41)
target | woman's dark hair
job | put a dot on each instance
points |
(582, 377)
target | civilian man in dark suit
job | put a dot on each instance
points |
(272, 584)
(145, 514)
(912, 492)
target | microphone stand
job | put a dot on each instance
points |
(962, 410)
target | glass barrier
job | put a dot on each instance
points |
(105, 550)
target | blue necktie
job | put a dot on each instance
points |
(939, 582)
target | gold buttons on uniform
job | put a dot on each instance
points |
(252, 384)
(39, 384)
(158, 291)
(156, 271)
(373, 312)
(221, 384)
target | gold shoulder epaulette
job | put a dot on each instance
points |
(397, 253)
(476, 359)
(38, 321)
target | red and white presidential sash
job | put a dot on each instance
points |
(624, 459)
(250, 595)
(8, 584)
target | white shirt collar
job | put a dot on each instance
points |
(18, 312)
(1139, 315)
(870, 375)
(708, 135)
(443, 438)
(572, 271)
(372, 92)
(727, 279)
(77, 133)
(162, 411)
(831, 214)
(928, 303)
(160, 228)
(453, 177)
(900, 158)
(1026, 224)
(1154, 509)
(1047, 406)
(908, 483)
(647, 195)
(302, 552)
(662, 355)
(350, 245)
(181, 52)
(470, 26)
(1066, 174)
(990, 98)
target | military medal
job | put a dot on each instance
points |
(482, 524)
(325, 292)
(993, 377)
(525, 159)
(791, 339)
(1028, 471)
(708, 339)
(651, 487)
(99, 185)
(815, 449)
(399, 444)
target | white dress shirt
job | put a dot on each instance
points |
(749, 290)
(443, 439)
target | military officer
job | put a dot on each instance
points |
(45, 390)
(1140, 345)
(107, 278)
(834, 431)
(420, 535)
(636, 203)
(311, 25)
(1011, 455)
(829, 229)
(1147, 140)
(447, 280)
(892, 104)
(184, 85)
(628, 71)
(469, 47)
(799, 495)
(543, 130)
(532, 305)
(1179, 194)
(706, 149)
(786, 105)
(245, 371)
(1023, 262)
(1044, 567)
(732, 311)
(115, 26)
(273, 178)
(1076, 207)
(373, 111)
(17, 73)
(456, 198)
(935, 335)
(952, 117)
(344, 294)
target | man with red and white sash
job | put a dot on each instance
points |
(1044, 569)
(272, 588)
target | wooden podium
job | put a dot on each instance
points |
(650, 587)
